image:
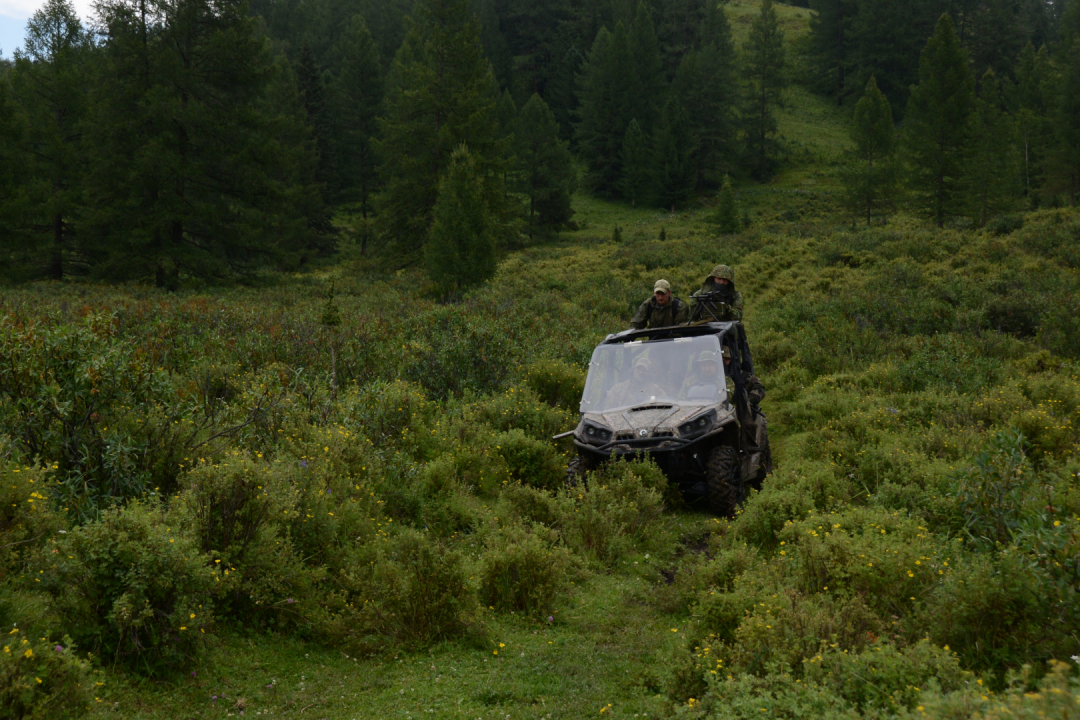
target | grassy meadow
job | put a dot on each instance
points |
(219, 501)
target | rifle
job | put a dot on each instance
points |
(713, 304)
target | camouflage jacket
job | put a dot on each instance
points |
(732, 311)
(652, 315)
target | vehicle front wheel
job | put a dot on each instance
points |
(721, 479)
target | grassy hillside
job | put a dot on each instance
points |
(221, 502)
(908, 531)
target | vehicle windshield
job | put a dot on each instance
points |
(677, 371)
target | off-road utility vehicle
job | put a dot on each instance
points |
(666, 392)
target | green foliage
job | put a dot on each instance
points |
(992, 170)
(26, 513)
(871, 181)
(763, 69)
(191, 174)
(239, 513)
(50, 80)
(635, 180)
(132, 587)
(68, 391)
(522, 571)
(460, 250)
(440, 94)
(545, 169)
(42, 679)
(556, 383)
(674, 171)
(615, 510)
(419, 591)
(358, 91)
(936, 125)
(727, 213)
(998, 490)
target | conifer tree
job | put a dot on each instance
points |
(460, 250)
(545, 169)
(763, 66)
(358, 91)
(705, 84)
(646, 97)
(673, 158)
(191, 174)
(830, 43)
(634, 184)
(1029, 100)
(1063, 170)
(605, 91)
(14, 241)
(937, 126)
(314, 96)
(870, 182)
(727, 214)
(50, 79)
(991, 173)
(441, 93)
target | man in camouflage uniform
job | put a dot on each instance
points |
(703, 382)
(757, 461)
(724, 301)
(639, 389)
(661, 310)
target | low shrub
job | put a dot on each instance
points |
(132, 588)
(884, 676)
(615, 510)
(1026, 697)
(268, 531)
(41, 679)
(27, 515)
(386, 412)
(764, 514)
(520, 409)
(531, 462)
(418, 591)
(523, 570)
(556, 383)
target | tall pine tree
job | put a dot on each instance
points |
(605, 91)
(441, 93)
(937, 126)
(461, 242)
(635, 182)
(358, 94)
(870, 182)
(1030, 100)
(545, 170)
(991, 173)
(674, 173)
(705, 84)
(763, 67)
(51, 76)
(191, 175)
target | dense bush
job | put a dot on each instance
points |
(41, 679)
(523, 570)
(131, 587)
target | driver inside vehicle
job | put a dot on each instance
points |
(704, 382)
(639, 389)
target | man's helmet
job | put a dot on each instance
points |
(643, 362)
(708, 356)
(726, 352)
(724, 272)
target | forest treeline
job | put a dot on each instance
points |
(208, 139)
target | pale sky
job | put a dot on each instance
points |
(13, 17)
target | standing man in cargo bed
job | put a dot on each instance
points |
(661, 310)
(718, 299)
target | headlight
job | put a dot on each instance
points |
(596, 435)
(699, 425)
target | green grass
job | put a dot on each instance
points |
(605, 647)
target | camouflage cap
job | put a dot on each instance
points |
(725, 272)
(643, 362)
(662, 286)
(726, 352)
(707, 356)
